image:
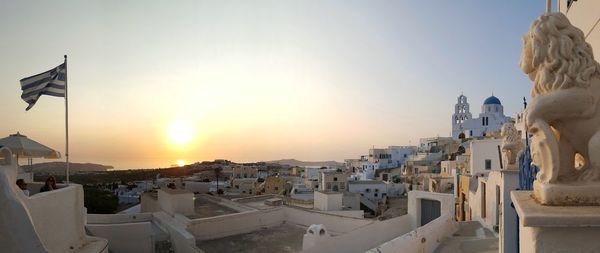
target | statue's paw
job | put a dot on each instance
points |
(589, 175)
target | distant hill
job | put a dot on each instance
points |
(294, 162)
(59, 167)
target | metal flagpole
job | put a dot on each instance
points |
(66, 120)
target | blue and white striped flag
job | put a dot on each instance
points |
(51, 82)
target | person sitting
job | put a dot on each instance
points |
(50, 185)
(23, 186)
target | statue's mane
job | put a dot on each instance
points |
(559, 53)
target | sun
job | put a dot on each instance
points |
(180, 163)
(180, 132)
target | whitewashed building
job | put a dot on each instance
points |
(370, 189)
(332, 181)
(490, 119)
(485, 156)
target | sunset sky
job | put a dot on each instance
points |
(154, 82)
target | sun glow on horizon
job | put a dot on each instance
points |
(180, 132)
(180, 163)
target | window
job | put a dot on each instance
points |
(376, 190)
(376, 195)
(276, 188)
(488, 164)
(335, 179)
(367, 190)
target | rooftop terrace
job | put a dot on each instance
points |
(204, 208)
(284, 238)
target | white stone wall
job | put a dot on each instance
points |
(245, 222)
(351, 201)
(58, 217)
(233, 224)
(126, 237)
(178, 201)
(328, 201)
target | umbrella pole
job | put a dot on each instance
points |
(66, 121)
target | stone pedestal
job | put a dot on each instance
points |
(556, 228)
(581, 194)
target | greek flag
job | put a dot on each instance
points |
(51, 82)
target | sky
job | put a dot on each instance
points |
(152, 83)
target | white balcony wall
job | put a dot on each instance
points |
(125, 232)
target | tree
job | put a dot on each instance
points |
(100, 201)
(217, 171)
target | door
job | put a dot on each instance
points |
(498, 207)
(430, 210)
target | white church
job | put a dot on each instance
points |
(490, 119)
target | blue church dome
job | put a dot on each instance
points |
(492, 101)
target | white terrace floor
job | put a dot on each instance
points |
(471, 237)
(286, 238)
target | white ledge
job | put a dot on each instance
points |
(534, 214)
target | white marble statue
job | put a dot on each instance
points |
(511, 145)
(563, 115)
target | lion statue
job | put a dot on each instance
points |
(511, 144)
(563, 116)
